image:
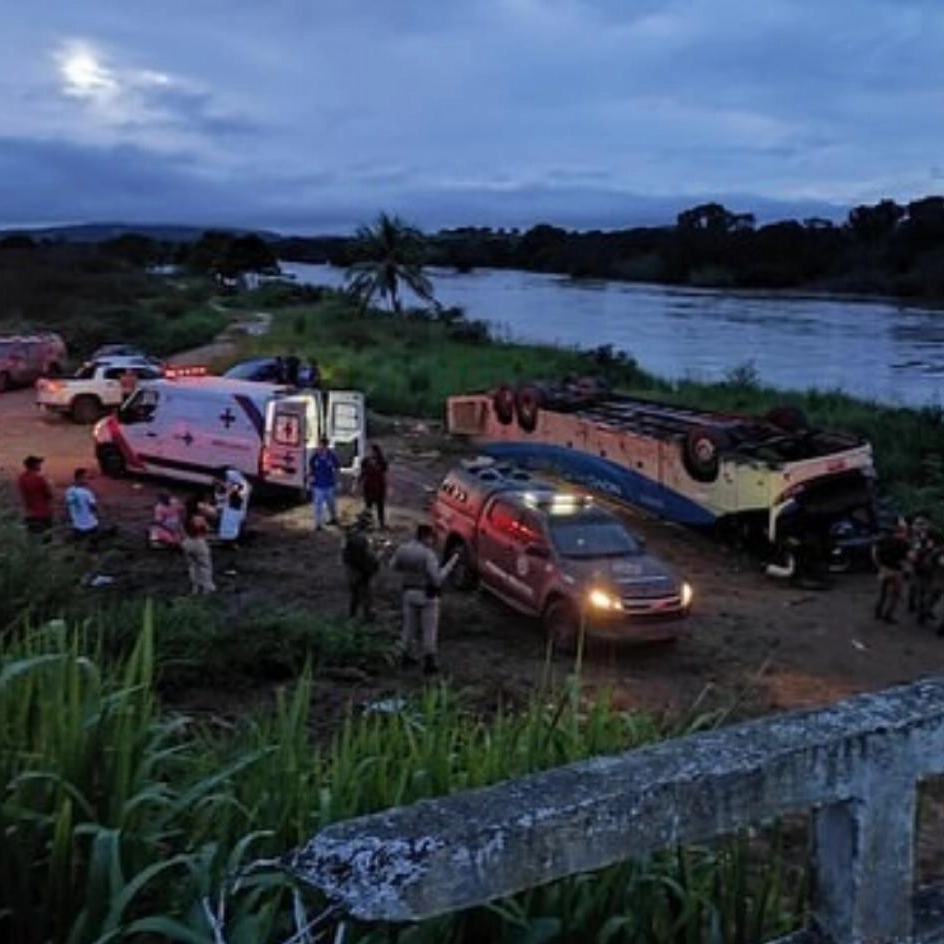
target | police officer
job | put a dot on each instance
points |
(423, 578)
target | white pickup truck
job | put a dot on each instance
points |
(96, 388)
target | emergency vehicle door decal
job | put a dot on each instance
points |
(252, 411)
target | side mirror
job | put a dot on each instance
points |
(537, 550)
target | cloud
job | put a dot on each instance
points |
(574, 105)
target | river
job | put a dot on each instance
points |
(873, 349)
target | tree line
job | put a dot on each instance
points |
(882, 249)
(886, 249)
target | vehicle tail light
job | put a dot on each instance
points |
(265, 461)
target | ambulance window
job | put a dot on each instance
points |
(139, 408)
(344, 418)
(286, 429)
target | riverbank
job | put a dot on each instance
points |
(409, 366)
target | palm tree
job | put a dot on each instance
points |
(390, 254)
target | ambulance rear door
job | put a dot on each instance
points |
(346, 427)
(291, 423)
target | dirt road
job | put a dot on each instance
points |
(764, 642)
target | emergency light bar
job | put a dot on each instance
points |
(172, 373)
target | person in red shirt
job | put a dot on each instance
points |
(37, 496)
(374, 483)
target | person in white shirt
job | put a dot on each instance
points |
(231, 491)
(82, 508)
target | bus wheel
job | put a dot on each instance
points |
(701, 452)
(528, 405)
(503, 402)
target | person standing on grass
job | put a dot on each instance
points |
(36, 494)
(361, 565)
(423, 578)
(323, 468)
(82, 507)
(196, 548)
(374, 483)
(890, 555)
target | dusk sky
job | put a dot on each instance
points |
(312, 116)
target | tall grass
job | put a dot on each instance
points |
(123, 824)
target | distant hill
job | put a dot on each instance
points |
(99, 232)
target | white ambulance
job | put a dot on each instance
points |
(189, 425)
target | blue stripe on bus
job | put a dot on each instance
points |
(605, 476)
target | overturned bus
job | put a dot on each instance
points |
(763, 480)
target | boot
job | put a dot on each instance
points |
(429, 665)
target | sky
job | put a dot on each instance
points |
(314, 115)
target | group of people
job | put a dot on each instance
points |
(221, 514)
(294, 373)
(189, 526)
(909, 557)
(38, 503)
(415, 561)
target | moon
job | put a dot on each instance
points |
(83, 72)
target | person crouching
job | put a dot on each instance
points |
(166, 529)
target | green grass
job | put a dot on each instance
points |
(197, 643)
(121, 823)
(410, 366)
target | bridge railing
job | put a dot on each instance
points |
(855, 765)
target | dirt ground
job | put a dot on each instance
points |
(760, 642)
(753, 642)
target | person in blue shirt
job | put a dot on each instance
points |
(323, 475)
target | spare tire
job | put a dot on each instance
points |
(503, 403)
(701, 452)
(790, 419)
(528, 402)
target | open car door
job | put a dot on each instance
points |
(346, 427)
(290, 425)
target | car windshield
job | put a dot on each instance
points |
(86, 371)
(592, 537)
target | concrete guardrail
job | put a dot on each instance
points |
(855, 766)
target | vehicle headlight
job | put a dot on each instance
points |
(601, 600)
(687, 594)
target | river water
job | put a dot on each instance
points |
(872, 349)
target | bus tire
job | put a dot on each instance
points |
(528, 402)
(701, 452)
(790, 419)
(503, 403)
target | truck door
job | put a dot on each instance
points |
(495, 546)
(346, 427)
(288, 430)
